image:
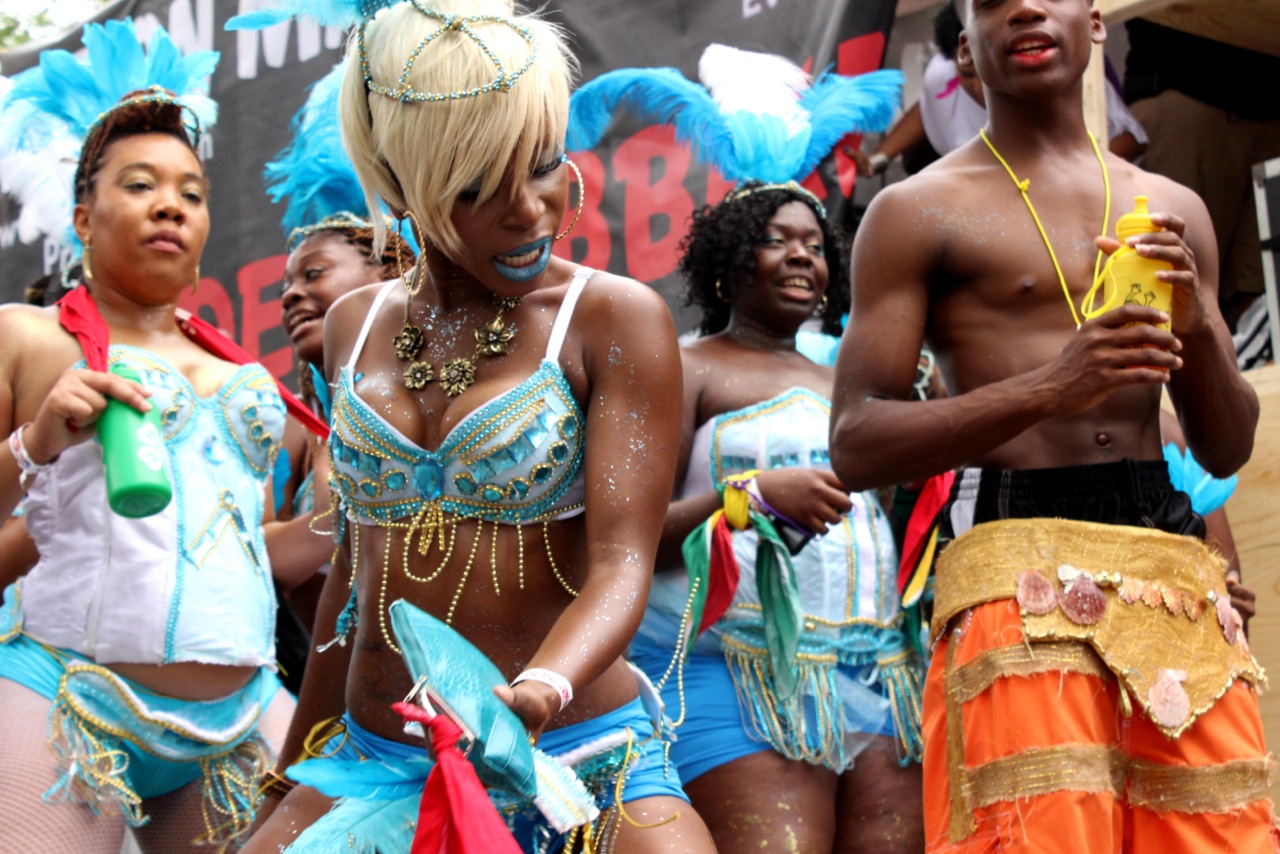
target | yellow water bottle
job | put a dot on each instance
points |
(1129, 278)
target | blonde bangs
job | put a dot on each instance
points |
(421, 156)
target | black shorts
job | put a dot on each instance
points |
(1129, 492)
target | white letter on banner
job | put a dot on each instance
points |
(191, 31)
(308, 39)
(274, 41)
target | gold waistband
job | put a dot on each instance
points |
(1160, 597)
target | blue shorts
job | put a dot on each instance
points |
(379, 782)
(715, 731)
(120, 744)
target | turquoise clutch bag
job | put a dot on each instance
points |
(458, 680)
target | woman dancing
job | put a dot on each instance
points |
(477, 457)
(771, 729)
(141, 650)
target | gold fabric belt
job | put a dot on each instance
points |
(1154, 606)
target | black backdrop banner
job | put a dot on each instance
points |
(640, 186)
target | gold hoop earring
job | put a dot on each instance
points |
(718, 293)
(84, 260)
(411, 339)
(582, 197)
(822, 307)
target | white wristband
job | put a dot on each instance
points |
(878, 163)
(551, 679)
(27, 467)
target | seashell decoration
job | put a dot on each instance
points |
(1193, 607)
(1227, 619)
(1083, 601)
(1068, 573)
(1167, 699)
(1131, 590)
(1036, 594)
(1151, 596)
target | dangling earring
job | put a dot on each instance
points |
(84, 259)
(582, 197)
(822, 307)
(718, 293)
(195, 281)
(410, 340)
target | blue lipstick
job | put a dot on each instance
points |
(530, 271)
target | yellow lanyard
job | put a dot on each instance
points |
(1025, 185)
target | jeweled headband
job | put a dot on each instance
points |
(340, 221)
(155, 95)
(787, 186)
(359, 13)
(405, 93)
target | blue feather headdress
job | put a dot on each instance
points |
(349, 13)
(329, 13)
(313, 173)
(757, 119)
(48, 111)
(1207, 492)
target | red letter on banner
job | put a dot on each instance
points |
(592, 227)
(213, 296)
(853, 57)
(660, 204)
(257, 317)
(718, 186)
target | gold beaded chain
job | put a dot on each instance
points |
(429, 525)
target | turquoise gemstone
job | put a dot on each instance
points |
(465, 483)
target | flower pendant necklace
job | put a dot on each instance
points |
(456, 375)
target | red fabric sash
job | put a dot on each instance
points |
(724, 575)
(920, 540)
(455, 815)
(79, 315)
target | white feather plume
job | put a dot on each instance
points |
(757, 83)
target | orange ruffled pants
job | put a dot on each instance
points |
(1049, 762)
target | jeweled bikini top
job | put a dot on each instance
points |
(515, 459)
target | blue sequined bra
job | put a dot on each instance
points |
(516, 459)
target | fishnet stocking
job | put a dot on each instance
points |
(176, 818)
(29, 768)
(32, 826)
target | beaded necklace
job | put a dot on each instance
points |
(1025, 185)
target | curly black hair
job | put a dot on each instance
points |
(721, 248)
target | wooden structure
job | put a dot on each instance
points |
(1254, 512)
(1252, 24)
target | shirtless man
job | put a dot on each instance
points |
(1067, 565)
